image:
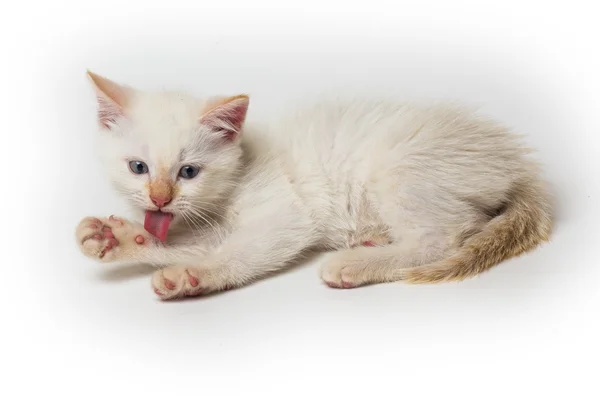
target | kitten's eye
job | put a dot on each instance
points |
(138, 167)
(188, 171)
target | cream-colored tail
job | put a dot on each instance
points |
(525, 223)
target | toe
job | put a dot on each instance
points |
(169, 284)
(192, 279)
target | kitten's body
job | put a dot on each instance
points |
(442, 193)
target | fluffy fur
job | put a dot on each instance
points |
(441, 192)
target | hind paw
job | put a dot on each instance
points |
(346, 269)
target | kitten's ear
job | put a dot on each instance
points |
(112, 99)
(227, 115)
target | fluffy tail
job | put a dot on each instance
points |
(525, 223)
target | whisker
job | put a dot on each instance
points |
(191, 225)
(202, 216)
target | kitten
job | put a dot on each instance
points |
(394, 191)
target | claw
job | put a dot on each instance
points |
(115, 220)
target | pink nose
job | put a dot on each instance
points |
(160, 201)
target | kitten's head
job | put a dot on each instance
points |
(167, 151)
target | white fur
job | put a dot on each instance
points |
(329, 176)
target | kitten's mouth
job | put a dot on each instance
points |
(157, 223)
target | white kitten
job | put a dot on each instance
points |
(399, 192)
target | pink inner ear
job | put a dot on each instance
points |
(111, 97)
(228, 117)
(108, 112)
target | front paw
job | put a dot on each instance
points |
(110, 239)
(176, 282)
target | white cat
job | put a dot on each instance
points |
(397, 192)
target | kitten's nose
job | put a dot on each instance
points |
(161, 200)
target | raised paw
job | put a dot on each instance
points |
(349, 269)
(176, 282)
(109, 239)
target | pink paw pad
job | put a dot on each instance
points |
(169, 284)
(108, 232)
(347, 285)
(139, 239)
(112, 242)
(193, 280)
(368, 243)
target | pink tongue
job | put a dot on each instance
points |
(157, 223)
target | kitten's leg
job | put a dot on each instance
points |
(368, 265)
(263, 246)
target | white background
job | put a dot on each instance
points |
(84, 336)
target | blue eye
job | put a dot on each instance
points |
(188, 171)
(138, 167)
